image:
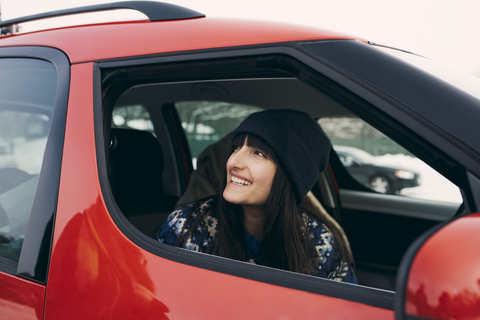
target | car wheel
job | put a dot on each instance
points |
(380, 184)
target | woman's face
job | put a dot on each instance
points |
(249, 177)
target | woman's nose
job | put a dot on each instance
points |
(237, 159)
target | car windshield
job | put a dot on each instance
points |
(465, 82)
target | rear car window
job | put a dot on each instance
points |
(27, 95)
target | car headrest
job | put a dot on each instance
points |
(136, 166)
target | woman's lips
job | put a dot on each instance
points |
(239, 180)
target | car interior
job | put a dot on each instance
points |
(152, 143)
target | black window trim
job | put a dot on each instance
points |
(34, 258)
(365, 295)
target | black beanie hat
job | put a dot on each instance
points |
(297, 140)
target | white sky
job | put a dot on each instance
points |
(443, 30)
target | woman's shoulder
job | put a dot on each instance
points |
(330, 264)
(323, 239)
(314, 224)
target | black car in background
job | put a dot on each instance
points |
(361, 165)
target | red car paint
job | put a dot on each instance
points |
(20, 299)
(451, 291)
(158, 37)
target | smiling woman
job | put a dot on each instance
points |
(275, 158)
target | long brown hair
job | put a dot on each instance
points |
(285, 244)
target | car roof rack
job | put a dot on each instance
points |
(155, 11)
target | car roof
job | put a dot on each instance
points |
(124, 39)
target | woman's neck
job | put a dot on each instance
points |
(254, 220)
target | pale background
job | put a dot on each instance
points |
(443, 30)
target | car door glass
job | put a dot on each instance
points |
(383, 166)
(27, 95)
(206, 122)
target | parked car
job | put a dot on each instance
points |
(383, 179)
(78, 220)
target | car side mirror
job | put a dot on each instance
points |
(439, 277)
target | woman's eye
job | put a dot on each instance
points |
(259, 153)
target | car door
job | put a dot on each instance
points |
(118, 257)
(33, 95)
(103, 266)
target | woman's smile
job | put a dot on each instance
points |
(239, 180)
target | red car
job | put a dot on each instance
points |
(101, 127)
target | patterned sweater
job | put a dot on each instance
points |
(327, 264)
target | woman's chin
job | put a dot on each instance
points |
(232, 197)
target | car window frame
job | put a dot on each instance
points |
(35, 254)
(320, 75)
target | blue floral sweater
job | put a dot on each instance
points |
(328, 266)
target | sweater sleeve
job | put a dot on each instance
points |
(329, 263)
(174, 226)
(181, 220)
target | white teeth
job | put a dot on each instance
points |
(239, 181)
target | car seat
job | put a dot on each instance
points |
(136, 167)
